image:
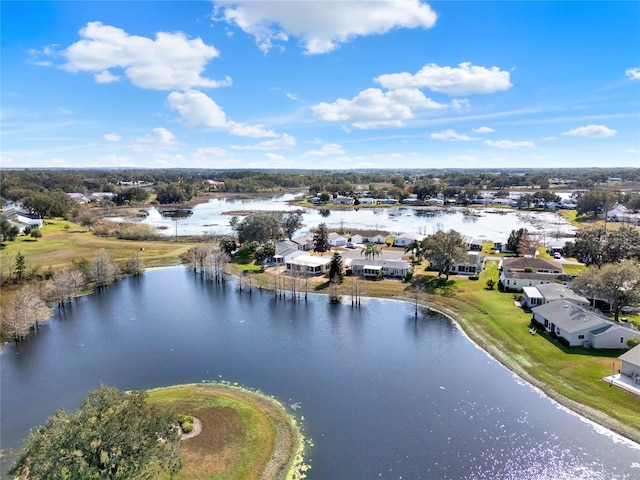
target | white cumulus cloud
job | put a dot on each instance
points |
(168, 61)
(326, 150)
(197, 108)
(633, 73)
(318, 25)
(451, 135)
(466, 79)
(508, 144)
(111, 137)
(591, 131)
(374, 108)
(484, 130)
(283, 142)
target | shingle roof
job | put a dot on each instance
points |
(533, 263)
(571, 317)
(632, 356)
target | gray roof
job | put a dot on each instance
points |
(380, 263)
(556, 291)
(632, 356)
(570, 316)
(547, 277)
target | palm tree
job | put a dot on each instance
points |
(370, 251)
(415, 248)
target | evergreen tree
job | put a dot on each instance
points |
(321, 239)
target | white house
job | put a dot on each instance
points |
(579, 326)
(622, 214)
(22, 219)
(304, 242)
(285, 250)
(471, 266)
(79, 198)
(341, 200)
(519, 272)
(367, 201)
(630, 364)
(549, 292)
(375, 268)
(309, 264)
(405, 239)
(336, 240)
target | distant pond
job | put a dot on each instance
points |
(383, 395)
(213, 218)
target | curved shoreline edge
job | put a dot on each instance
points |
(599, 418)
(293, 458)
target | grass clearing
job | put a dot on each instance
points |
(245, 434)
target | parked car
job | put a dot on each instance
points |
(557, 255)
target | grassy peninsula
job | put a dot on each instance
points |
(244, 434)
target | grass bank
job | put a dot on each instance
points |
(63, 242)
(245, 434)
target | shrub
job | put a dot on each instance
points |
(474, 277)
(186, 423)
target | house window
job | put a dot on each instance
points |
(580, 337)
(621, 339)
(508, 282)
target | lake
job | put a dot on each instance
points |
(383, 395)
(212, 218)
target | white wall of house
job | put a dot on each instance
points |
(518, 283)
(615, 337)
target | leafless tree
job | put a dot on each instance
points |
(65, 285)
(357, 290)
(416, 294)
(529, 244)
(23, 312)
(135, 264)
(334, 289)
(101, 270)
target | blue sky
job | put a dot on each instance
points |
(320, 84)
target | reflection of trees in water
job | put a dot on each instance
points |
(431, 213)
(325, 212)
(176, 213)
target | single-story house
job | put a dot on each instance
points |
(79, 198)
(501, 245)
(309, 264)
(367, 201)
(471, 266)
(388, 201)
(336, 240)
(630, 364)
(549, 292)
(98, 196)
(304, 242)
(527, 264)
(285, 250)
(434, 201)
(374, 268)
(473, 244)
(361, 239)
(579, 326)
(622, 214)
(342, 200)
(516, 281)
(21, 218)
(405, 239)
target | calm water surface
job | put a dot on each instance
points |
(382, 395)
(213, 218)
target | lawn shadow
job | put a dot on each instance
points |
(440, 285)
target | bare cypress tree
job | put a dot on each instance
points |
(23, 312)
(65, 285)
(135, 264)
(101, 270)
